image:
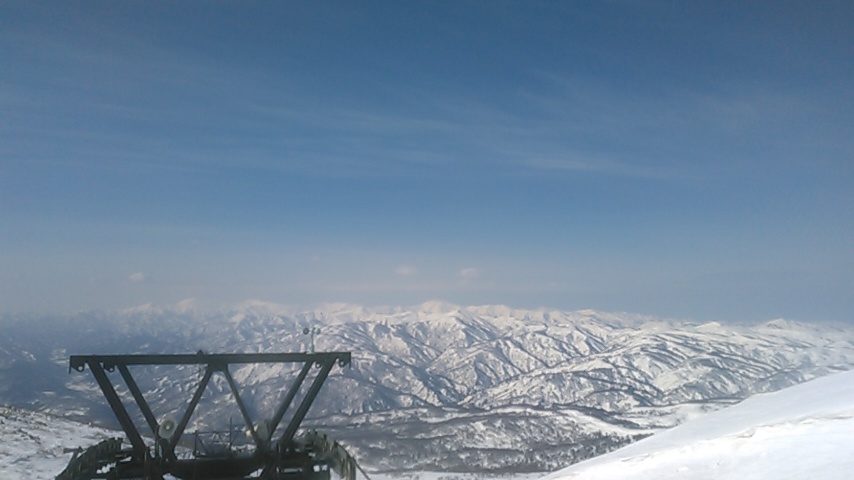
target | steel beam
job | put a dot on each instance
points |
(289, 398)
(246, 418)
(140, 400)
(179, 430)
(77, 362)
(306, 402)
(118, 408)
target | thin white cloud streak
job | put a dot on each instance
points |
(350, 140)
(555, 123)
(678, 132)
(669, 136)
(538, 130)
(601, 166)
(406, 270)
(469, 273)
(137, 277)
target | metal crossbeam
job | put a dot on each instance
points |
(77, 362)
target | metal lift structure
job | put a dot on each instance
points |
(151, 457)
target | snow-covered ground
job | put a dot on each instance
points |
(805, 431)
(32, 444)
(450, 476)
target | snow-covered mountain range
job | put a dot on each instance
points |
(437, 386)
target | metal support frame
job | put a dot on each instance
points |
(165, 461)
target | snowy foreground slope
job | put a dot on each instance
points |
(805, 431)
(32, 444)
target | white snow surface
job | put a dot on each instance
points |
(805, 431)
(32, 444)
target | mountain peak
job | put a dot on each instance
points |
(437, 306)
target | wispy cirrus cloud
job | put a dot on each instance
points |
(601, 166)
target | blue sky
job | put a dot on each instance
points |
(689, 159)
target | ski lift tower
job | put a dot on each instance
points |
(155, 453)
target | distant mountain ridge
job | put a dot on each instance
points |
(440, 386)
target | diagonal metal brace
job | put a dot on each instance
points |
(302, 410)
(188, 413)
(118, 407)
